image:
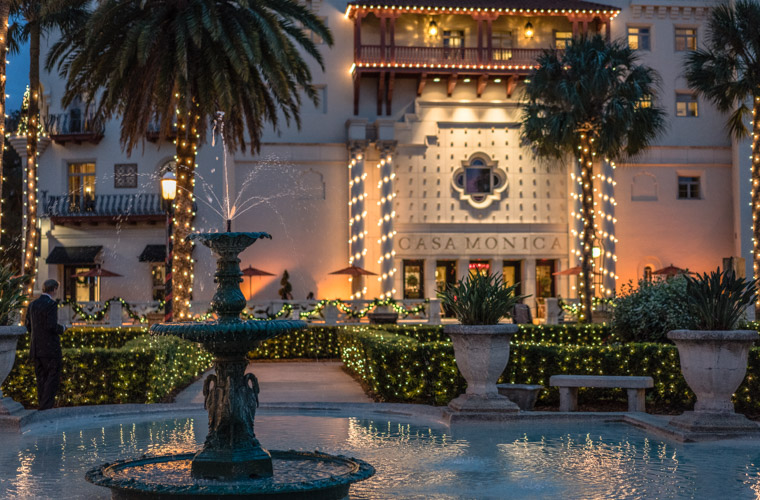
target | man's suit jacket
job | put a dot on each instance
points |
(42, 322)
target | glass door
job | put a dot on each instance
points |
(513, 274)
(445, 275)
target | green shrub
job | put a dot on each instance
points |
(648, 312)
(144, 370)
(314, 343)
(400, 369)
(81, 337)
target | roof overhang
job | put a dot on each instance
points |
(503, 7)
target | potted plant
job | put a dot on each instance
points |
(714, 353)
(481, 343)
(11, 301)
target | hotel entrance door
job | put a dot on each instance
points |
(445, 275)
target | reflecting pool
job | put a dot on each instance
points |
(518, 460)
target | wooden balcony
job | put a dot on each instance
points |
(473, 60)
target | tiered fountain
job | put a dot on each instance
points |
(231, 463)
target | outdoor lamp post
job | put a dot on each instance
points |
(168, 193)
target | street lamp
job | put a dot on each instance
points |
(168, 193)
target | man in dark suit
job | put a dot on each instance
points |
(45, 348)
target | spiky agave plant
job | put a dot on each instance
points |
(480, 299)
(718, 300)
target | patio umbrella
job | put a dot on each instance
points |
(97, 272)
(671, 270)
(354, 271)
(251, 271)
(573, 271)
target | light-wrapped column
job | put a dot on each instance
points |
(576, 220)
(387, 214)
(607, 216)
(357, 214)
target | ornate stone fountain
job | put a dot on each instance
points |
(232, 462)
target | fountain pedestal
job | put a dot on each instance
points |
(231, 450)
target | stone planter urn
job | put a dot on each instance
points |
(9, 336)
(481, 353)
(714, 364)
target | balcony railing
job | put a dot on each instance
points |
(74, 126)
(448, 57)
(112, 206)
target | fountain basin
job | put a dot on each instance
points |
(228, 337)
(297, 475)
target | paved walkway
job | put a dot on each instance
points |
(294, 382)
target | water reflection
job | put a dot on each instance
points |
(413, 461)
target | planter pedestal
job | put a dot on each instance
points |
(481, 355)
(12, 413)
(714, 364)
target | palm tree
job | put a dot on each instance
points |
(592, 101)
(179, 62)
(727, 72)
(39, 16)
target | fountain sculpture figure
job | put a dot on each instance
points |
(232, 461)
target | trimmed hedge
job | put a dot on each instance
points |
(83, 337)
(590, 334)
(317, 342)
(401, 369)
(144, 370)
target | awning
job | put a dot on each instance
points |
(153, 253)
(74, 255)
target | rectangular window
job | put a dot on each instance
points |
(80, 289)
(639, 38)
(81, 185)
(688, 187)
(453, 43)
(315, 37)
(477, 180)
(414, 287)
(645, 102)
(158, 279)
(686, 104)
(480, 266)
(562, 38)
(501, 42)
(125, 175)
(686, 39)
(545, 278)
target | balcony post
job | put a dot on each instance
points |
(489, 39)
(607, 34)
(383, 29)
(358, 37)
(480, 40)
(393, 37)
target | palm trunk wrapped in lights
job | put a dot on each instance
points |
(32, 131)
(5, 8)
(585, 292)
(184, 214)
(756, 191)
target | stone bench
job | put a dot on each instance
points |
(569, 384)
